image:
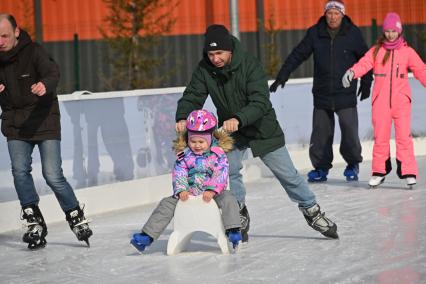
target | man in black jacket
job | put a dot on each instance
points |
(336, 44)
(30, 116)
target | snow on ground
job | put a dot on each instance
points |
(382, 240)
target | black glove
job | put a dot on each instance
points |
(273, 88)
(364, 91)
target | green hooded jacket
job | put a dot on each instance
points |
(238, 90)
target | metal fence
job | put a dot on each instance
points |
(182, 55)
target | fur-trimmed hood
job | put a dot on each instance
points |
(224, 141)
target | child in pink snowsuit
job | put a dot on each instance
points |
(201, 168)
(390, 59)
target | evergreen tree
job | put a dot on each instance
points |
(272, 60)
(133, 30)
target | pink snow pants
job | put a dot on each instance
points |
(383, 113)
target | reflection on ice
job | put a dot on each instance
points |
(382, 240)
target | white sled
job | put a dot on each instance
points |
(196, 215)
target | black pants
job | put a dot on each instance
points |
(321, 146)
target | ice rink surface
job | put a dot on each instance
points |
(382, 240)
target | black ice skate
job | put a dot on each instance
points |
(79, 224)
(319, 222)
(245, 222)
(36, 232)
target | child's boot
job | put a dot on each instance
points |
(140, 241)
(234, 236)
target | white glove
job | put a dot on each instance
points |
(347, 78)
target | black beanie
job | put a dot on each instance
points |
(217, 38)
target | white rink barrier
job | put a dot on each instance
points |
(116, 146)
(116, 196)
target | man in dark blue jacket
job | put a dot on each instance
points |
(336, 44)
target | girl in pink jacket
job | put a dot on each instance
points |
(391, 59)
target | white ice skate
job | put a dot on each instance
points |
(411, 182)
(375, 181)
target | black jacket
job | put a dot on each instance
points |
(332, 57)
(26, 116)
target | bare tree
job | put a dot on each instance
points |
(133, 30)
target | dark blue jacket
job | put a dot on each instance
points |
(332, 57)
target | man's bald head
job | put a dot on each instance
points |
(9, 32)
(10, 18)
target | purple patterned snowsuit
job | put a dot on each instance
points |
(197, 173)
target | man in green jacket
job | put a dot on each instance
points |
(238, 87)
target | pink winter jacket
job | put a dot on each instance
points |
(391, 79)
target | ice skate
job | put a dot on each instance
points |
(375, 181)
(79, 224)
(317, 220)
(36, 232)
(234, 236)
(140, 241)
(317, 175)
(351, 172)
(245, 222)
(411, 182)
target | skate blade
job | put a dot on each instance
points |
(317, 180)
(36, 247)
(352, 178)
(376, 186)
(33, 246)
(87, 242)
(137, 247)
(332, 235)
(245, 237)
(234, 248)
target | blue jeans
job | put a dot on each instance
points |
(279, 162)
(50, 154)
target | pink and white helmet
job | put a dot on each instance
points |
(201, 120)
